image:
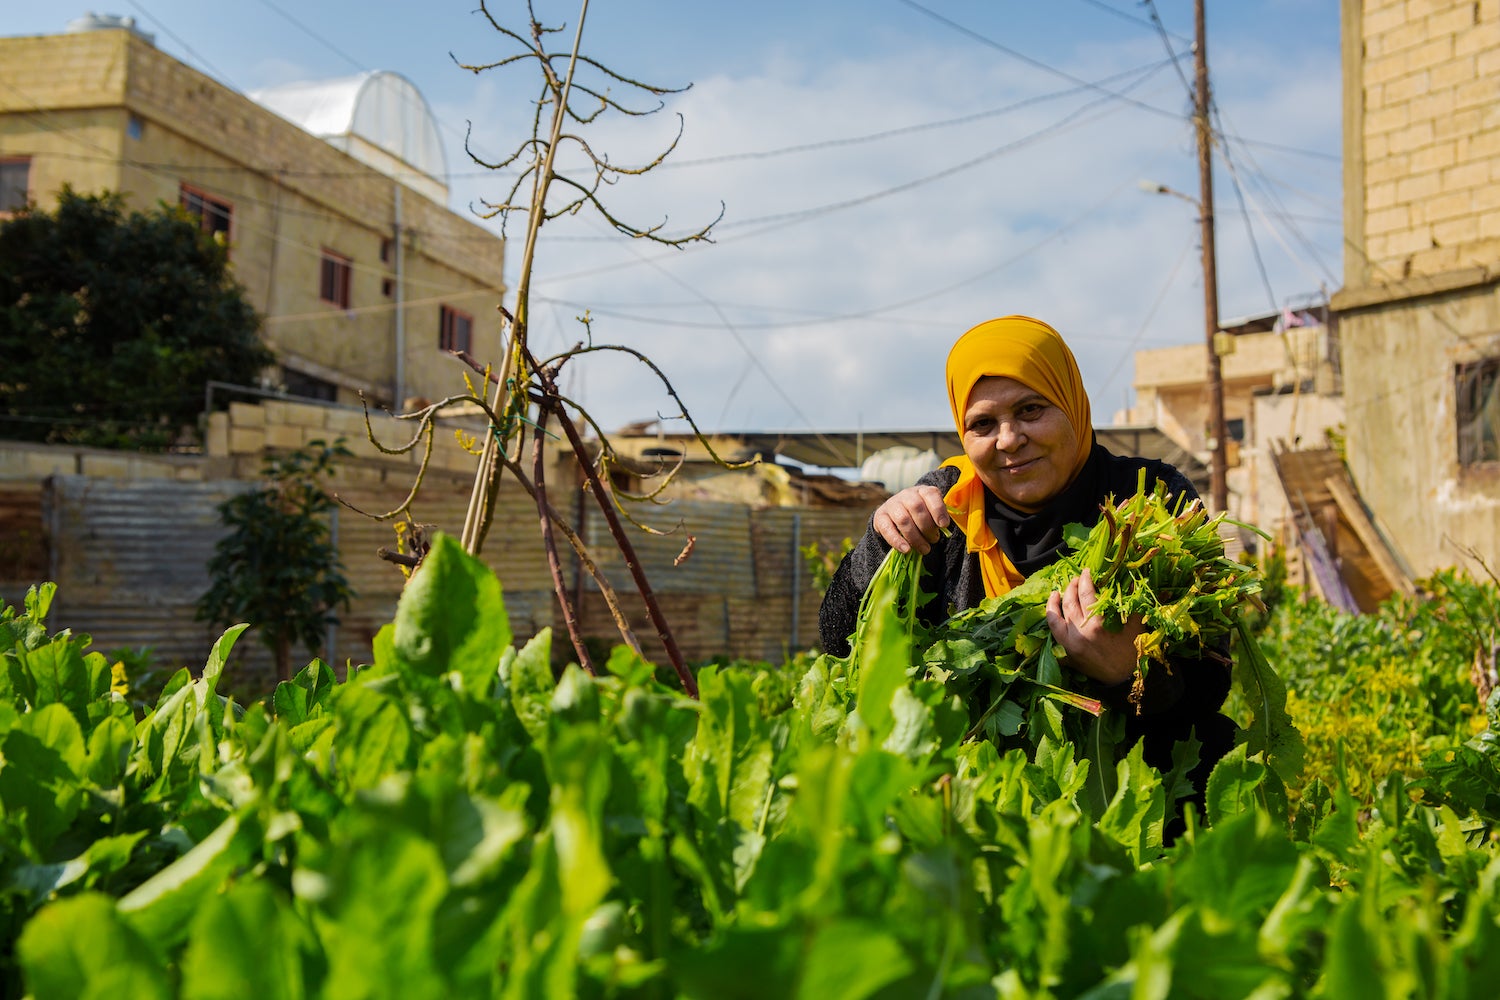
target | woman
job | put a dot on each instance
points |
(1030, 466)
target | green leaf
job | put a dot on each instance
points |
(62, 677)
(41, 779)
(160, 908)
(80, 948)
(1234, 786)
(1272, 730)
(373, 738)
(1352, 966)
(219, 655)
(851, 959)
(386, 886)
(247, 942)
(451, 618)
(305, 695)
(109, 749)
(1137, 812)
(528, 678)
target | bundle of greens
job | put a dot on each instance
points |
(1151, 562)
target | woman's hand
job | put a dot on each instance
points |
(912, 519)
(1093, 650)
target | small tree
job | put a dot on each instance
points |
(112, 321)
(278, 568)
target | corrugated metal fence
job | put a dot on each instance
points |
(130, 558)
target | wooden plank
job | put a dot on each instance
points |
(1354, 512)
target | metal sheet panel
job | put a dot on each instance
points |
(720, 563)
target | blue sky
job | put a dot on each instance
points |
(892, 172)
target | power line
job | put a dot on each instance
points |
(317, 37)
(1166, 41)
(1030, 61)
(1150, 315)
(809, 147)
(1155, 22)
(164, 29)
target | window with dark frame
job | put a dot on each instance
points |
(1477, 408)
(213, 214)
(308, 386)
(455, 330)
(336, 274)
(15, 182)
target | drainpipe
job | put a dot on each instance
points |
(399, 402)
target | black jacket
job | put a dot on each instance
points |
(1174, 703)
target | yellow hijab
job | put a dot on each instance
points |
(1032, 353)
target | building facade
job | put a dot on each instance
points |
(342, 239)
(1420, 307)
(1281, 390)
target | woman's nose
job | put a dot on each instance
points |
(1009, 436)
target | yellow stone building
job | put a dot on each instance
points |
(1420, 308)
(335, 215)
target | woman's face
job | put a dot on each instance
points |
(1022, 446)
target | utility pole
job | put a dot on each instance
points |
(1218, 467)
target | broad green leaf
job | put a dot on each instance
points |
(451, 618)
(478, 833)
(578, 766)
(303, 696)
(247, 942)
(109, 749)
(373, 738)
(80, 948)
(729, 760)
(1352, 964)
(1233, 787)
(528, 678)
(1137, 812)
(41, 778)
(376, 923)
(1272, 730)
(882, 647)
(851, 959)
(219, 655)
(62, 677)
(159, 909)
(744, 963)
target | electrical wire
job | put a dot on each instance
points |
(1161, 295)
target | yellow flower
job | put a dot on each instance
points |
(118, 683)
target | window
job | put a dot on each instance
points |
(15, 181)
(308, 387)
(385, 251)
(1235, 429)
(337, 272)
(455, 330)
(135, 126)
(387, 287)
(213, 215)
(1478, 410)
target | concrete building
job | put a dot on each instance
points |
(334, 209)
(1420, 307)
(1281, 389)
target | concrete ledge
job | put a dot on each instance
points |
(1367, 296)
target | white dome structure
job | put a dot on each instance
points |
(380, 118)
